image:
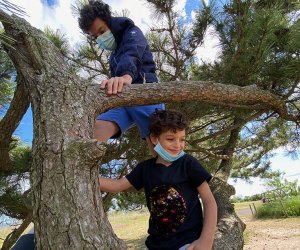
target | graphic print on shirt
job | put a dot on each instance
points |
(167, 208)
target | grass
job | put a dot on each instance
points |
(131, 227)
(245, 204)
(4, 231)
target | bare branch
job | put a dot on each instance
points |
(10, 122)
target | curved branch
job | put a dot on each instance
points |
(250, 97)
(10, 122)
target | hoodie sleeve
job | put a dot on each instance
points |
(132, 49)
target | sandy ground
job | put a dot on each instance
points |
(271, 234)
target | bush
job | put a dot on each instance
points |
(274, 209)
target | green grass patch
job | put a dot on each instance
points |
(291, 207)
(131, 227)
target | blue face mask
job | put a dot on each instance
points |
(165, 155)
(107, 41)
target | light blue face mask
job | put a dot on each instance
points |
(165, 155)
(107, 41)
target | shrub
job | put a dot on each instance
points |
(275, 210)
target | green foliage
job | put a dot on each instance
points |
(237, 199)
(129, 201)
(260, 46)
(14, 186)
(281, 188)
(275, 210)
(59, 39)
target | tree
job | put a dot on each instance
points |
(64, 165)
(281, 188)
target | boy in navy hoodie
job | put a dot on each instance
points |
(131, 62)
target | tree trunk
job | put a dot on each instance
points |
(68, 211)
(224, 169)
(229, 234)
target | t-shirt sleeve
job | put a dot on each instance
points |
(197, 173)
(135, 177)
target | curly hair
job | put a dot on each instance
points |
(89, 12)
(164, 120)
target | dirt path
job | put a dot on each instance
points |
(272, 234)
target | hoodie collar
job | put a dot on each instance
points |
(118, 26)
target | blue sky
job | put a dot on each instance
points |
(50, 3)
(57, 15)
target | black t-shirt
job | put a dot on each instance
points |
(172, 199)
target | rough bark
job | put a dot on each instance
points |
(68, 212)
(229, 234)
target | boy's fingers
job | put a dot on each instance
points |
(115, 85)
(120, 86)
(109, 86)
(103, 84)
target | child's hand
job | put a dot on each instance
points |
(200, 244)
(115, 85)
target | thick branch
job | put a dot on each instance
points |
(10, 122)
(220, 94)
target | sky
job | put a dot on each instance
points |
(57, 14)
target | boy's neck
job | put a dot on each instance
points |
(162, 161)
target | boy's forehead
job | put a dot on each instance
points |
(177, 132)
(96, 25)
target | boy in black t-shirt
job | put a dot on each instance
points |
(172, 182)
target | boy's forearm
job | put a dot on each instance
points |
(209, 222)
(114, 185)
(108, 185)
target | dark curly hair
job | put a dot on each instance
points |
(89, 12)
(164, 120)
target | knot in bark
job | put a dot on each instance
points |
(85, 152)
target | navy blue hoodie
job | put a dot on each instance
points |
(133, 55)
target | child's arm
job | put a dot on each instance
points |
(210, 219)
(114, 185)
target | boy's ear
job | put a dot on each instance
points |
(153, 139)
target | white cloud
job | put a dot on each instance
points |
(59, 17)
(180, 8)
(242, 188)
(138, 12)
(209, 51)
(278, 162)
